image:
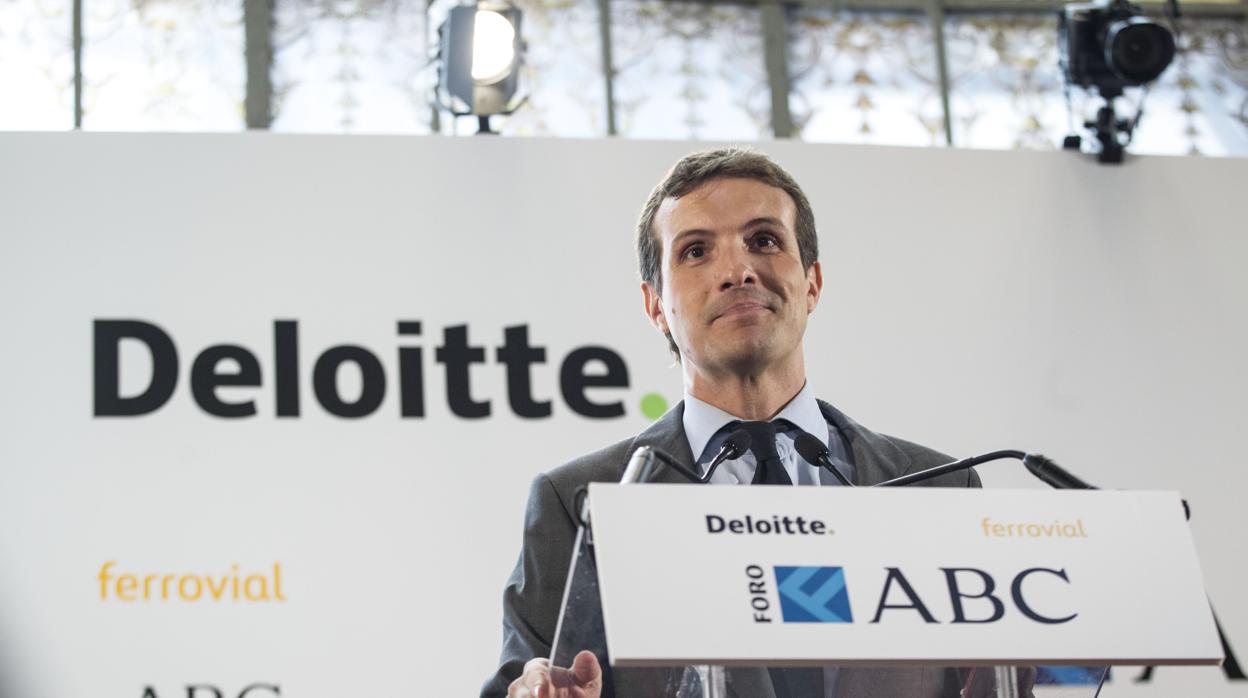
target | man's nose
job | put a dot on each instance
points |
(737, 268)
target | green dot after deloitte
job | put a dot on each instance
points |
(582, 370)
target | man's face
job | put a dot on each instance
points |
(735, 297)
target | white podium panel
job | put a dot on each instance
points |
(819, 575)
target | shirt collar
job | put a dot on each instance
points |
(702, 419)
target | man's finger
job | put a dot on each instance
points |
(586, 669)
(539, 683)
(535, 681)
(536, 663)
(584, 673)
(517, 689)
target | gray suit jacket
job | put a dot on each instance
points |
(534, 591)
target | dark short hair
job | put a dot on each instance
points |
(696, 169)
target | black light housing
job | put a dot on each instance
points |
(481, 52)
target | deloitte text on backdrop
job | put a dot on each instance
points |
(578, 372)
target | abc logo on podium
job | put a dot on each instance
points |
(813, 595)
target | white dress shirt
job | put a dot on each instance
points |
(704, 424)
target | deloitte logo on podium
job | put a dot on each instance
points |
(813, 595)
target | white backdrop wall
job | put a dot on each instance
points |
(974, 301)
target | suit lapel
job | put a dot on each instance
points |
(875, 459)
(667, 434)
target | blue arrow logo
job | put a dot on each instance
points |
(813, 595)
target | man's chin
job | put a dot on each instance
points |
(748, 354)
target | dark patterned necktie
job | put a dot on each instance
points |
(787, 683)
(770, 470)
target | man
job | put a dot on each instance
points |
(730, 273)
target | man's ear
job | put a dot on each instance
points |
(654, 307)
(814, 286)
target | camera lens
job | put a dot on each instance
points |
(1138, 49)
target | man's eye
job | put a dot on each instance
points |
(695, 251)
(766, 240)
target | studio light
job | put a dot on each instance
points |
(493, 47)
(480, 53)
(1108, 46)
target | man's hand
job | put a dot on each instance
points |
(541, 680)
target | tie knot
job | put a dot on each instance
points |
(769, 470)
(762, 437)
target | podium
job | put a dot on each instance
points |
(690, 591)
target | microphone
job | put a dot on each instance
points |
(964, 464)
(816, 452)
(642, 466)
(1052, 475)
(735, 446)
(1043, 468)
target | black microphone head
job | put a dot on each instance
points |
(1052, 474)
(737, 443)
(810, 448)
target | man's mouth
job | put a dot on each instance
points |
(744, 308)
